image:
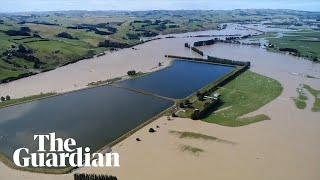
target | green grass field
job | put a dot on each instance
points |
(307, 42)
(246, 93)
(25, 99)
(300, 101)
(89, 28)
(199, 136)
(300, 104)
(316, 94)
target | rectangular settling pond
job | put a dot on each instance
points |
(94, 117)
(179, 80)
(97, 116)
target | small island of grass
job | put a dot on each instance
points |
(300, 101)
(316, 94)
(246, 93)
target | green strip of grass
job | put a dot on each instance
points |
(246, 93)
(316, 94)
(6, 73)
(193, 135)
(299, 103)
(191, 149)
(25, 99)
(304, 41)
(109, 81)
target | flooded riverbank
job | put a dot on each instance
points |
(144, 57)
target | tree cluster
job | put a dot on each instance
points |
(65, 35)
(24, 31)
(94, 28)
(112, 44)
(93, 177)
(23, 52)
(289, 50)
(7, 98)
(131, 72)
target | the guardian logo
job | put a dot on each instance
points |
(62, 153)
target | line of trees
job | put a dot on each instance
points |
(24, 31)
(21, 51)
(94, 28)
(231, 39)
(197, 51)
(227, 61)
(289, 50)
(93, 177)
(113, 44)
(208, 107)
(215, 59)
(204, 43)
(66, 35)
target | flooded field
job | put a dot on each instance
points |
(267, 63)
(252, 154)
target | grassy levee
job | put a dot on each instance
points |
(246, 93)
(27, 99)
(105, 82)
(316, 94)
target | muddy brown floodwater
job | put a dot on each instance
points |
(284, 148)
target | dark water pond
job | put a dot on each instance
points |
(94, 117)
(179, 80)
